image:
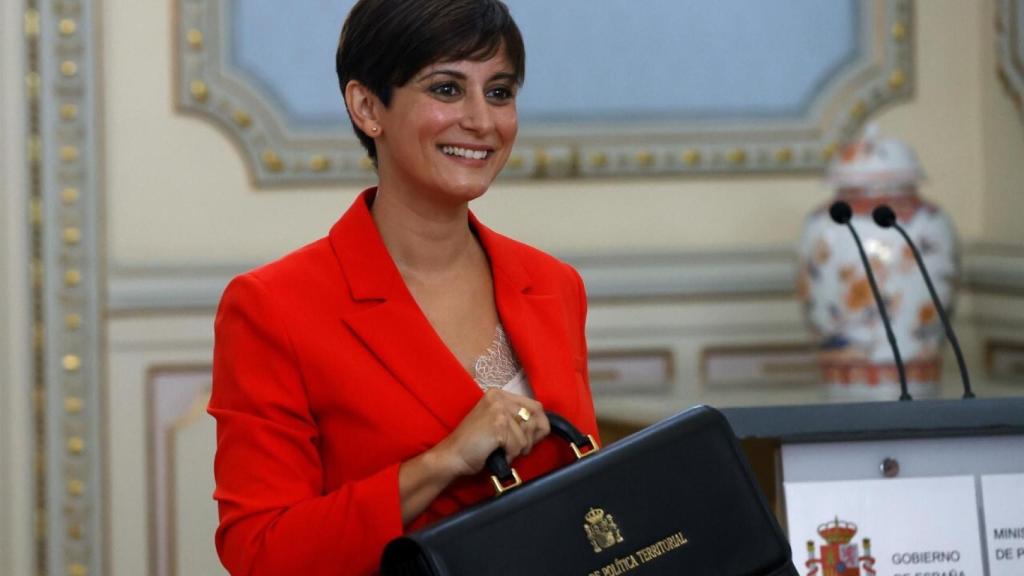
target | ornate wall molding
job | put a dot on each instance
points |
(994, 269)
(699, 275)
(655, 276)
(67, 286)
(1010, 48)
(160, 365)
(281, 150)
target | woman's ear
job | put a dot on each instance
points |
(364, 107)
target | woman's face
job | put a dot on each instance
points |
(448, 132)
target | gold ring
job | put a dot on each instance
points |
(524, 415)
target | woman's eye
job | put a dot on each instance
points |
(447, 90)
(501, 93)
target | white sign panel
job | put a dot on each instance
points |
(1004, 523)
(894, 527)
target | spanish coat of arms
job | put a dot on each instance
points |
(840, 556)
(601, 529)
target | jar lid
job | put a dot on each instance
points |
(874, 162)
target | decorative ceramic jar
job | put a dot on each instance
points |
(856, 360)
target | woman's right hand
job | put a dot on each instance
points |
(493, 423)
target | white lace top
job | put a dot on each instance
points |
(498, 367)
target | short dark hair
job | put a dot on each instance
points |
(384, 43)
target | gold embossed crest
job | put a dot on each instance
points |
(601, 529)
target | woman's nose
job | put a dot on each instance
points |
(476, 114)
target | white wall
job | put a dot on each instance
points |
(178, 191)
(15, 416)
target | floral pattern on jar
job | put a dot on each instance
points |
(856, 359)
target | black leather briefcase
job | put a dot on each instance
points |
(676, 498)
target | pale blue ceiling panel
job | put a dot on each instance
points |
(289, 53)
(681, 58)
(654, 59)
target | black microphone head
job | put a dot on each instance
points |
(884, 216)
(840, 212)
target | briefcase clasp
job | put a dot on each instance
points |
(581, 455)
(500, 488)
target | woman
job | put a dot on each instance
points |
(361, 381)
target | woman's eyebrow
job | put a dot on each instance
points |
(442, 72)
(461, 76)
(504, 76)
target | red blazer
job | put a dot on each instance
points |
(327, 376)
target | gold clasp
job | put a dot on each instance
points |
(581, 455)
(500, 489)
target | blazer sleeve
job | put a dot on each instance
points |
(274, 515)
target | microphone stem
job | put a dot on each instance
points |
(904, 393)
(942, 314)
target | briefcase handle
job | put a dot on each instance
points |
(504, 476)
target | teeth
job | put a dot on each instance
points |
(464, 152)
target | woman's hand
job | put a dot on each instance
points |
(493, 423)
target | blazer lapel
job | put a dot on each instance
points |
(535, 322)
(389, 322)
(386, 318)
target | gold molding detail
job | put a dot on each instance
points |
(278, 154)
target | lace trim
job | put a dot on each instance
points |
(498, 365)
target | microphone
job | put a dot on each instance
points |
(841, 213)
(886, 218)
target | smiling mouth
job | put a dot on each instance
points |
(465, 152)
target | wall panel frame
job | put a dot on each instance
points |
(282, 148)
